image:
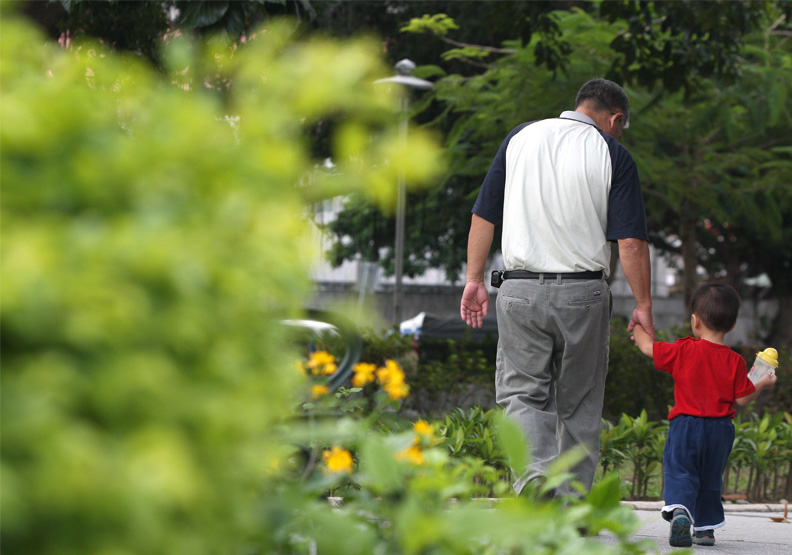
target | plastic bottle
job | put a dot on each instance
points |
(766, 363)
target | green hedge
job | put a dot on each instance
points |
(632, 448)
(448, 373)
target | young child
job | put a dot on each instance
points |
(708, 379)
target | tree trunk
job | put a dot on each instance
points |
(737, 480)
(788, 487)
(749, 488)
(687, 235)
(763, 486)
(775, 483)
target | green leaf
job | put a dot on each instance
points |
(763, 425)
(379, 468)
(605, 494)
(440, 24)
(513, 443)
(339, 531)
(469, 52)
(567, 461)
(428, 71)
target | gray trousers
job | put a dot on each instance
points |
(552, 363)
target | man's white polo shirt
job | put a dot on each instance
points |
(562, 189)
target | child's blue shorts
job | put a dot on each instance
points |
(696, 453)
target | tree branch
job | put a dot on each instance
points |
(485, 48)
(474, 63)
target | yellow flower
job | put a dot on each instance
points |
(320, 357)
(412, 454)
(423, 428)
(319, 390)
(321, 363)
(391, 377)
(364, 373)
(299, 367)
(338, 460)
(390, 372)
(329, 369)
(397, 390)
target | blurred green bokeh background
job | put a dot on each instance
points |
(152, 239)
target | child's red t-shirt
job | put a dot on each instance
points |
(707, 377)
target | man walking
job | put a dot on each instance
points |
(563, 188)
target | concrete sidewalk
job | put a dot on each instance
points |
(748, 530)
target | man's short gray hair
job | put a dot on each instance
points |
(604, 95)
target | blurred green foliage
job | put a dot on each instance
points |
(763, 453)
(475, 433)
(152, 239)
(632, 450)
(378, 347)
(453, 374)
(401, 487)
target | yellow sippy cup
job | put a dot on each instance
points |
(766, 363)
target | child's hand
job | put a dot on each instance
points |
(766, 382)
(642, 340)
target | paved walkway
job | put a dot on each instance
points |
(748, 530)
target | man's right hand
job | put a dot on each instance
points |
(475, 303)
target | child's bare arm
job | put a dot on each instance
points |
(766, 382)
(643, 340)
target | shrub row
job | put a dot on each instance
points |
(452, 382)
(448, 373)
(632, 448)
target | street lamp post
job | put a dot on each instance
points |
(403, 70)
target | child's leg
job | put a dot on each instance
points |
(679, 466)
(718, 441)
(680, 460)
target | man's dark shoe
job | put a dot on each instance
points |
(680, 530)
(704, 537)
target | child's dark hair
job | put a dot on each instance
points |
(717, 305)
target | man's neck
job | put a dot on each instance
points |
(595, 115)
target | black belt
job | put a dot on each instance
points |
(498, 276)
(524, 274)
